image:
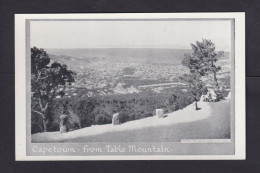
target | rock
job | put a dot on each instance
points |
(159, 113)
(63, 123)
(210, 96)
(213, 95)
(115, 119)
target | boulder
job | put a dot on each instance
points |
(213, 95)
(159, 113)
(210, 96)
(115, 119)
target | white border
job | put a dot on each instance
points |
(20, 84)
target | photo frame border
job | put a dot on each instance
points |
(20, 89)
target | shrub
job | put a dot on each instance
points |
(85, 111)
(102, 119)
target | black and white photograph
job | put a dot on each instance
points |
(130, 86)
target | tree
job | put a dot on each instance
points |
(47, 81)
(196, 86)
(203, 59)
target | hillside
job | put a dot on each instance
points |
(104, 69)
(212, 121)
(126, 55)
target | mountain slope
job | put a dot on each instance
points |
(126, 55)
(212, 121)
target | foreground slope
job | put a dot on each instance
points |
(212, 121)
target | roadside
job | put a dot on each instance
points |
(212, 121)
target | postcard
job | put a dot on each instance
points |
(142, 86)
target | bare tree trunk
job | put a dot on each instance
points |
(216, 80)
(196, 105)
(44, 119)
(44, 122)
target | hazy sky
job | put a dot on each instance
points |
(129, 34)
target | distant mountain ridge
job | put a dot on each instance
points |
(126, 55)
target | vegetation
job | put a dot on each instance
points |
(99, 110)
(196, 86)
(47, 81)
(202, 60)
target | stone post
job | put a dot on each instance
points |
(63, 123)
(159, 113)
(115, 119)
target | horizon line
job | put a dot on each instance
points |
(128, 48)
(119, 48)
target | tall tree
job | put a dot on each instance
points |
(47, 82)
(196, 86)
(203, 59)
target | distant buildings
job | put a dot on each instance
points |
(101, 77)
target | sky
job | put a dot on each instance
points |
(129, 34)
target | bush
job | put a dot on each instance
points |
(102, 119)
(85, 111)
(36, 125)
